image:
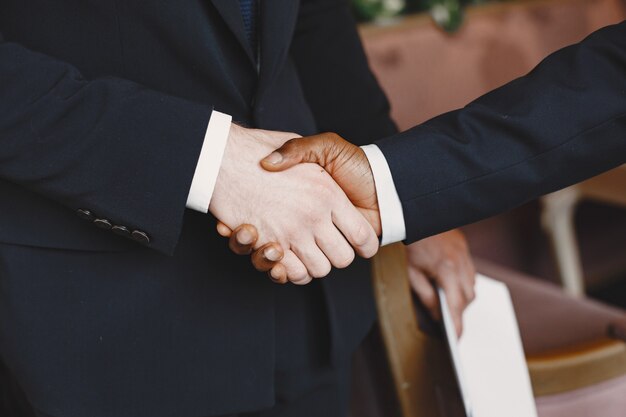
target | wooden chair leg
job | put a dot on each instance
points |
(557, 218)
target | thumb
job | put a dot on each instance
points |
(319, 149)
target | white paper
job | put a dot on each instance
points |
(489, 358)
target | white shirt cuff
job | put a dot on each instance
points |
(209, 162)
(389, 204)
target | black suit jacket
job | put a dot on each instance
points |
(103, 107)
(562, 123)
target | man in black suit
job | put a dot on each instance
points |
(562, 123)
(108, 118)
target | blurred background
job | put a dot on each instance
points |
(433, 56)
(563, 256)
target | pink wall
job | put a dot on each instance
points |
(427, 72)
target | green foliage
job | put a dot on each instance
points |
(378, 9)
(448, 14)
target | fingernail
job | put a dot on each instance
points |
(274, 158)
(273, 278)
(271, 254)
(244, 237)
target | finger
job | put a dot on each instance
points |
(457, 318)
(267, 256)
(458, 324)
(317, 264)
(223, 230)
(243, 239)
(296, 271)
(278, 274)
(468, 278)
(356, 229)
(455, 298)
(335, 247)
(454, 273)
(425, 292)
(318, 149)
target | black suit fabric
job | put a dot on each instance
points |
(563, 122)
(104, 107)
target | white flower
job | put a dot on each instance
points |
(440, 14)
(393, 6)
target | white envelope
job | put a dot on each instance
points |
(489, 358)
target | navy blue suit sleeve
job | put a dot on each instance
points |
(562, 123)
(342, 91)
(111, 146)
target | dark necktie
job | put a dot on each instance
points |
(248, 12)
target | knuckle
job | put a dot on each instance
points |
(361, 235)
(371, 250)
(298, 275)
(301, 281)
(445, 265)
(332, 136)
(290, 144)
(345, 261)
(294, 269)
(322, 271)
(456, 303)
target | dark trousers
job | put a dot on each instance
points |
(321, 393)
(306, 383)
(324, 393)
(13, 402)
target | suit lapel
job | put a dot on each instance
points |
(231, 13)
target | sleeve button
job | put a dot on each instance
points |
(140, 237)
(121, 230)
(85, 214)
(103, 224)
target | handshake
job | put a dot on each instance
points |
(303, 208)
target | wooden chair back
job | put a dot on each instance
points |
(420, 364)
